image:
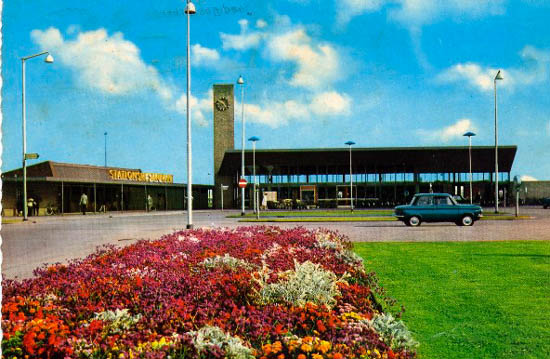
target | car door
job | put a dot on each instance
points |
(423, 207)
(445, 209)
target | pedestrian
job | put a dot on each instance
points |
(83, 203)
(30, 206)
(149, 202)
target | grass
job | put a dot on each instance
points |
(321, 219)
(353, 219)
(319, 213)
(469, 300)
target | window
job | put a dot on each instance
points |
(424, 201)
(443, 201)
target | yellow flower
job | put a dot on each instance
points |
(316, 356)
(324, 346)
(306, 347)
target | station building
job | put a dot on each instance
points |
(59, 186)
(320, 177)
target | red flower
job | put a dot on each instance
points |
(320, 326)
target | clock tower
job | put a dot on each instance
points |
(224, 139)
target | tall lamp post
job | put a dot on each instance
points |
(253, 139)
(240, 81)
(497, 77)
(350, 143)
(189, 10)
(49, 60)
(105, 134)
(469, 135)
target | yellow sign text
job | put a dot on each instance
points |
(140, 176)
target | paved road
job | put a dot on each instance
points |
(27, 245)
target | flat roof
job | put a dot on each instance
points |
(451, 159)
(50, 171)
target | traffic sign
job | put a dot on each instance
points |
(31, 156)
(242, 183)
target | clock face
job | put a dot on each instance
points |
(222, 104)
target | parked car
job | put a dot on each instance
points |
(437, 207)
(546, 202)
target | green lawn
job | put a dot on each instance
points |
(320, 219)
(318, 213)
(469, 300)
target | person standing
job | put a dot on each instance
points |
(30, 206)
(149, 203)
(83, 203)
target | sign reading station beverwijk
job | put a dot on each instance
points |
(140, 176)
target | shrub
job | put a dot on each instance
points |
(308, 282)
(227, 261)
(209, 338)
(393, 331)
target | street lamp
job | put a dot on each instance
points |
(105, 134)
(49, 60)
(256, 207)
(240, 81)
(350, 143)
(469, 135)
(189, 10)
(497, 77)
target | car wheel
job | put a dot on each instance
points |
(467, 220)
(414, 221)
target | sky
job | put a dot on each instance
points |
(381, 73)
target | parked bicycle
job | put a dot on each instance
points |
(51, 209)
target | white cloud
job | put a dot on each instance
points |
(348, 9)
(534, 70)
(318, 65)
(331, 103)
(527, 178)
(201, 108)
(243, 41)
(108, 64)
(446, 134)
(324, 105)
(415, 13)
(261, 24)
(201, 55)
(473, 74)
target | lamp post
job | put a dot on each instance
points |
(350, 143)
(497, 77)
(240, 81)
(469, 135)
(256, 207)
(49, 60)
(189, 10)
(105, 134)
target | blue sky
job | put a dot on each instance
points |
(318, 73)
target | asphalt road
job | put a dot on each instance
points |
(28, 245)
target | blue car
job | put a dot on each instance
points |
(437, 207)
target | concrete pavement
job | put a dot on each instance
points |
(52, 239)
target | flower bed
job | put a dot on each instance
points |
(258, 292)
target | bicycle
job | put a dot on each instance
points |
(51, 210)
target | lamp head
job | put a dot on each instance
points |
(240, 81)
(190, 8)
(254, 139)
(350, 143)
(49, 59)
(469, 134)
(499, 76)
